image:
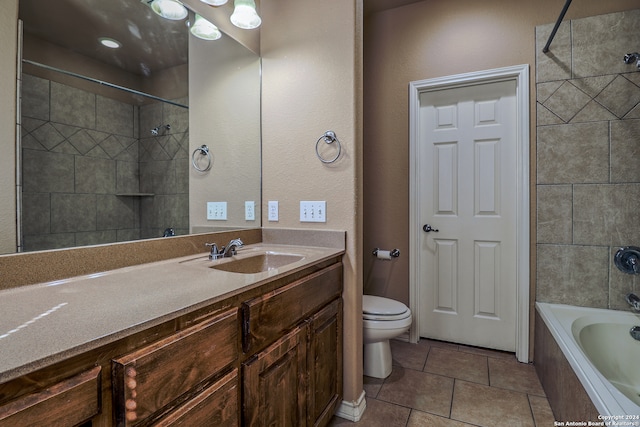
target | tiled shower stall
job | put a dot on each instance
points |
(588, 159)
(92, 172)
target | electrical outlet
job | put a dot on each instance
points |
(249, 210)
(217, 211)
(313, 211)
(273, 210)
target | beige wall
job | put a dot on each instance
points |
(311, 79)
(224, 114)
(425, 40)
(8, 52)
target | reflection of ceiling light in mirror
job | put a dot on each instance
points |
(204, 29)
(169, 9)
(214, 2)
(244, 15)
(110, 43)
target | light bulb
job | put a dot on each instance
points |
(214, 2)
(204, 29)
(244, 15)
(170, 9)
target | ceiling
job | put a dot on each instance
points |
(373, 6)
(149, 42)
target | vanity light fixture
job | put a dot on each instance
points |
(169, 9)
(204, 29)
(244, 15)
(214, 2)
(110, 43)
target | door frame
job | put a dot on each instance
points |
(519, 74)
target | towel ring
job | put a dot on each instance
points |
(204, 151)
(329, 137)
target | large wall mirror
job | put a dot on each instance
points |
(100, 164)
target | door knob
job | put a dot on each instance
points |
(427, 228)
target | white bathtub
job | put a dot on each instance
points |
(602, 353)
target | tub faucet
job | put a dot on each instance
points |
(634, 301)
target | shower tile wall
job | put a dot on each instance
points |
(82, 151)
(164, 169)
(588, 159)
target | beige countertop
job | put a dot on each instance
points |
(45, 323)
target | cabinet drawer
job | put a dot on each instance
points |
(152, 377)
(66, 403)
(266, 318)
(216, 405)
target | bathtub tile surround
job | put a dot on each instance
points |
(81, 149)
(588, 159)
(435, 383)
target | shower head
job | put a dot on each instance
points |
(630, 58)
(156, 130)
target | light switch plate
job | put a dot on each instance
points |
(217, 211)
(313, 211)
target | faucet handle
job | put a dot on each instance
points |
(214, 250)
(627, 259)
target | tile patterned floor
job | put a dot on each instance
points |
(439, 384)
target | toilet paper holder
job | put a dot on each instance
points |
(394, 253)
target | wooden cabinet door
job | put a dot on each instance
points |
(324, 356)
(275, 383)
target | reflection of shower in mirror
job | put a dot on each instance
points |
(156, 130)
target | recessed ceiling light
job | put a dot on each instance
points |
(110, 43)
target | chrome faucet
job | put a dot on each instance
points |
(634, 301)
(225, 251)
(214, 254)
(231, 248)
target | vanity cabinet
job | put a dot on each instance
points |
(297, 379)
(270, 355)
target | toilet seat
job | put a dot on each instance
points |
(383, 309)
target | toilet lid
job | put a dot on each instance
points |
(379, 308)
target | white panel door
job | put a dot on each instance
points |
(468, 177)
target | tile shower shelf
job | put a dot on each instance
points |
(135, 194)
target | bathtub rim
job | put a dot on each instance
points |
(610, 401)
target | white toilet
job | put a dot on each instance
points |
(383, 319)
